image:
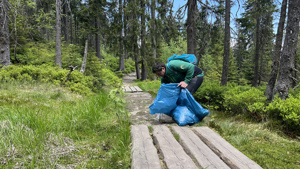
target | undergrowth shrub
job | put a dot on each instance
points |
(245, 99)
(77, 82)
(211, 94)
(112, 63)
(288, 110)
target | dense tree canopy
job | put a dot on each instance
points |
(146, 31)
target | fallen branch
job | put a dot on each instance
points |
(72, 68)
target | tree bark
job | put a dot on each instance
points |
(191, 30)
(97, 36)
(4, 34)
(287, 60)
(277, 52)
(226, 44)
(153, 34)
(83, 66)
(143, 32)
(66, 21)
(137, 68)
(58, 33)
(257, 51)
(121, 48)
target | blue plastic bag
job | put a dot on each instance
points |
(187, 99)
(166, 99)
(179, 104)
(183, 116)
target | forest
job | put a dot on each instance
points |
(63, 60)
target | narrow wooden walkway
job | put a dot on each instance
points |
(160, 146)
(131, 89)
(157, 145)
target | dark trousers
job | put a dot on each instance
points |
(195, 83)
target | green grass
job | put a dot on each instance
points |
(149, 86)
(269, 147)
(264, 142)
(42, 126)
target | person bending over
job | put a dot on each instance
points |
(177, 71)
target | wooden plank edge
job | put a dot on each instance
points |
(230, 163)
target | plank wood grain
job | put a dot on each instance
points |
(173, 154)
(127, 89)
(205, 157)
(138, 89)
(132, 88)
(229, 154)
(144, 154)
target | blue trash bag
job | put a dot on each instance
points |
(183, 116)
(187, 99)
(166, 99)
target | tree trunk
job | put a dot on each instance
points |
(66, 21)
(121, 48)
(143, 32)
(58, 33)
(287, 60)
(153, 34)
(277, 52)
(4, 34)
(226, 44)
(84, 57)
(191, 30)
(98, 47)
(137, 68)
(257, 50)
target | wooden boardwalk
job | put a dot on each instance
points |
(160, 146)
(132, 89)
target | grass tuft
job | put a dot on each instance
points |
(43, 126)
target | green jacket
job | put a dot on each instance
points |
(180, 71)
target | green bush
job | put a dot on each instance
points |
(111, 63)
(129, 66)
(211, 94)
(245, 99)
(77, 82)
(119, 74)
(288, 110)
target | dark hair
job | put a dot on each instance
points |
(158, 67)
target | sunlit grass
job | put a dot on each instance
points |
(43, 126)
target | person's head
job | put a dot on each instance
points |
(159, 69)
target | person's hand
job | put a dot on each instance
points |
(182, 84)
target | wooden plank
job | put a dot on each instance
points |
(143, 153)
(205, 157)
(173, 154)
(127, 89)
(229, 154)
(138, 89)
(133, 89)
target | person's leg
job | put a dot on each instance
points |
(195, 83)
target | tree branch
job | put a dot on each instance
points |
(72, 68)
